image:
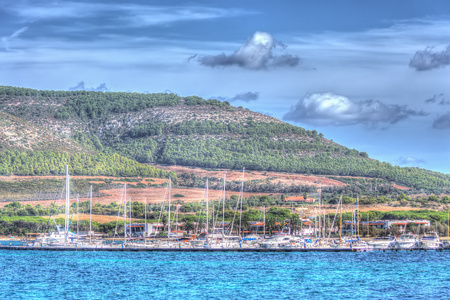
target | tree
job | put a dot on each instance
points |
(433, 198)
(270, 224)
(189, 226)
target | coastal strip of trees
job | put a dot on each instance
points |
(53, 163)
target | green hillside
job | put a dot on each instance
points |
(190, 131)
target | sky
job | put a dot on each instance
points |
(370, 75)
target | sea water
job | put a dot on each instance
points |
(223, 275)
(12, 242)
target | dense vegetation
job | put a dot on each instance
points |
(98, 105)
(249, 128)
(50, 163)
(232, 143)
(259, 155)
(18, 219)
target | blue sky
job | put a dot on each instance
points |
(371, 75)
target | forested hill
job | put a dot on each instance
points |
(168, 129)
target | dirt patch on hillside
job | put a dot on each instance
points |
(95, 218)
(272, 177)
(403, 188)
(153, 194)
(365, 208)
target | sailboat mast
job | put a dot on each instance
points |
(90, 214)
(130, 218)
(340, 226)
(78, 226)
(125, 213)
(66, 223)
(357, 216)
(315, 222)
(353, 223)
(264, 220)
(324, 216)
(301, 221)
(242, 197)
(223, 207)
(145, 222)
(168, 228)
(320, 207)
(176, 218)
(207, 209)
(368, 231)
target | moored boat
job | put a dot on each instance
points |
(276, 241)
(406, 241)
(383, 242)
(429, 241)
(353, 244)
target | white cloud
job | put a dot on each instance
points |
(132, 15)
(48, 10)
(256, 53)
(331, 109)
(377, 47)
(140, 16)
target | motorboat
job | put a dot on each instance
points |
(429, 241)
(276, 241)
(406, 241)
(197, 243)
(383, 242)
(354, 244)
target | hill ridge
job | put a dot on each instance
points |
(191, 131)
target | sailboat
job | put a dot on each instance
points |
(218, 237)
(62, 238)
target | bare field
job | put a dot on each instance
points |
(153, 194)
(365, 208)
(95, 218)
(403, 188)
(275, 177)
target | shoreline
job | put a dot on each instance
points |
(111, 249)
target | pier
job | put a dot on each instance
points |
(188, 249)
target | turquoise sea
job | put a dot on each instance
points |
(223, 275)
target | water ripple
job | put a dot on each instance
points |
(191, 275)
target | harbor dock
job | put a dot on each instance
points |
(188, 249)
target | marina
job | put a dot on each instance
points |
(178, 247)
(218, 235)
(175, 249)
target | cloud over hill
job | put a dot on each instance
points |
(332, 109)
